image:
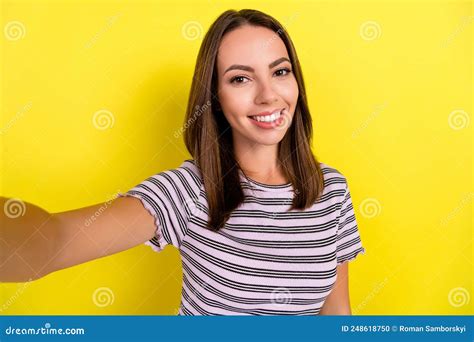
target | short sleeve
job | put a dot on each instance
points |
(171, 197)
(349, 243)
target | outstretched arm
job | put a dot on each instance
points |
(38, 243)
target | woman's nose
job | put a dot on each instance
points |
(266, 94)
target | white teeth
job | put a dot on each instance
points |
(267, 118)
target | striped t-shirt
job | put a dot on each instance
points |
(264, 261)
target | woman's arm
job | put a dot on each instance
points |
(38, 243)
(337, 302)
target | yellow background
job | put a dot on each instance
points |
(390, 90)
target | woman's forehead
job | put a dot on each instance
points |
(248, 45)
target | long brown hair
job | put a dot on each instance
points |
(208, 136)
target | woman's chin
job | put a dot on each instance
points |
(269, 139)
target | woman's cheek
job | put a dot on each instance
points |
(233, 106)
(290, 90)
(241, 102)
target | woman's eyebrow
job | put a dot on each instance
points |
(250, 69)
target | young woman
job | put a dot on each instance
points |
(263, 228)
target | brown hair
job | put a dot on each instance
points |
(208, 136)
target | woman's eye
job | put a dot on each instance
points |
(284, 69)
(236, 78)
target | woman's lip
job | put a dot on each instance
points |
(269, 113)
(267, 125)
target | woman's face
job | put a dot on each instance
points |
(255, 77)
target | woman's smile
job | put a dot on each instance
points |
(270, 121)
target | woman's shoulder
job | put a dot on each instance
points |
(331, 173)
(185, 179)
(189, 167)
(326, 168)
